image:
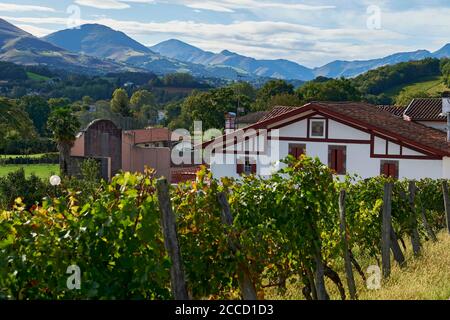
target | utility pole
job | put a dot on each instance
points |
(239, 77)
(446, 111)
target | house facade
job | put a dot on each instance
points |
(349, 137)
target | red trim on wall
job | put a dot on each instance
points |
(308, 128)
(284, 124)
(382, 156)
(352, 141)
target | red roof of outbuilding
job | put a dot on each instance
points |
(395, 110)
(425, 109)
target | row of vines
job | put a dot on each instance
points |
(236, 237)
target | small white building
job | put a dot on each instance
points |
(349, 137)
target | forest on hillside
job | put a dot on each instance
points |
(137, 100)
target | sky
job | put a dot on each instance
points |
(309, 32)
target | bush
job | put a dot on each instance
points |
(23, 146)
(16, 184)
(115, 240)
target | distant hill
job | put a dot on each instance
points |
(20, 47)
(285, 69)
(115, 45)
(103, 42)
(350, 69)
(282, 69)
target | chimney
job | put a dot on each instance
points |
(230, 122)
(446, 110)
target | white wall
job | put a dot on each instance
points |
(359, 160)
(338, 130)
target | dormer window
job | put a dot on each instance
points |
(317, 128)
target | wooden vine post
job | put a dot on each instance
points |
(347, 261)
(246, 285)
(169, 228)
(446, 203)
(396, 250)
(414, 233)
(426, 225)
(386, 231)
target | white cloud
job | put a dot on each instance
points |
(322, 36)
(103, 4)
(232, 5)
(110, 4)
(34, 30)
(10, 7)
(261, 39)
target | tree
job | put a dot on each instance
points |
(210, 107)
(142, 98)
(244, 88)
(284, 99)
(55, 103)
(38, 110)
(332, 90)
(405, 97)
(64, 126)
(270, 89)
(13, 118)
(120, 103)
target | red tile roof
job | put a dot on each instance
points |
(251, 117)
(428, 109)
(376, 119)
(276, 111)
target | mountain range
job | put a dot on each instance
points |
(95, 48)
(105, 43)
(287, 69)
(21, 47)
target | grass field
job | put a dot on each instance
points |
(424, 278)
(37, 77)
(32, 156)
(43, 171)
(433, 86)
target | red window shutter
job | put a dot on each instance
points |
(385, 169)
(296, 151)
(240, 168)
(334, 160)
(392, 170)
(254, 168)
(340, 161)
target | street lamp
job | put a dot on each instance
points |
(55, 181)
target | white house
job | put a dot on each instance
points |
(349, 137)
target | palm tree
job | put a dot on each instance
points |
(13, 118)
(64, 126)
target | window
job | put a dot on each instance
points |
(246, 167)
(337, 158)
(296, 150)
(389, 168)
(317, 128)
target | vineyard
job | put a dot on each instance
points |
(138, 238)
